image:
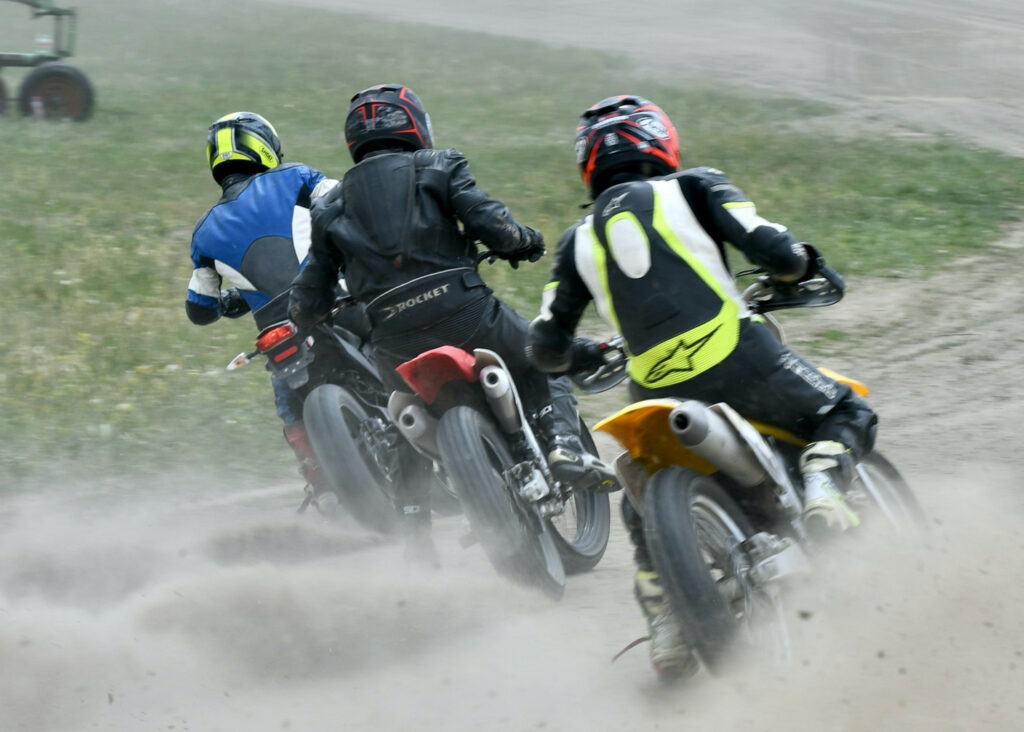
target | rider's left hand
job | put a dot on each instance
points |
(232, 304)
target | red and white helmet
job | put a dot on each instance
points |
(621, 134)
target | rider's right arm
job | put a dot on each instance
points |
(565, 297)
(483, 217)
(729, 216)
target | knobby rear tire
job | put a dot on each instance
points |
(692, 526)
(333, 416)
(475, 455)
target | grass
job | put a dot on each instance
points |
(100, 369)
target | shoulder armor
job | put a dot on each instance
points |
(324, 187)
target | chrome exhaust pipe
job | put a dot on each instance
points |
(709, 435)
(501, 397)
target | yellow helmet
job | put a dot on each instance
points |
(242, 142)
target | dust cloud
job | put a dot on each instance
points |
(217, 609)
(180, 610)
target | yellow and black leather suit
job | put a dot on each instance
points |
(652, 258)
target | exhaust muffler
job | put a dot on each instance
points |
(419, 427)
(709, 435)
(501, 397)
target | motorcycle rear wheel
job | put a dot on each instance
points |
(333, 418)
(581, 533)
(476, 457)
(693, 529)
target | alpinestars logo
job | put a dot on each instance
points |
(391, 311)
(613, 205)
(679, 359)
(814, 378)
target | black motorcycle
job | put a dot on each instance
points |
(343, 402)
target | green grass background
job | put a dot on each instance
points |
(101, 372)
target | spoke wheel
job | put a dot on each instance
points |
(879, 491)
(693, 530)
(581, 532)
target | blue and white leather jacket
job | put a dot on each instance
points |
(256, 236)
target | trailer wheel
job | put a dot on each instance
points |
(58, 91)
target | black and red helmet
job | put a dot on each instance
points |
(621, 134)
(386, 115)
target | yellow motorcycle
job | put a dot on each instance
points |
(721, 499)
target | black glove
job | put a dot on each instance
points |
(232, 304)
(815, 262)
(811, 266)
(817, 268)
(586, 355)
(531, 250)
(307, 307)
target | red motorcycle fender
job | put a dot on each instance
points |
(431, 370)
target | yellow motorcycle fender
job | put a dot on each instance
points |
(641, 429)
(857, 386)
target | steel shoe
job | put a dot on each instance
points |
(671, 655)
(325, 501)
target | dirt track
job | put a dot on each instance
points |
(230, 615)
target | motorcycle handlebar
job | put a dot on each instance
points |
(766, 294)
(607, 375)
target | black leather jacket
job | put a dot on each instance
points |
(395, 217)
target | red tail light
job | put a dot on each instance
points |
(279, 357)
(275, 336)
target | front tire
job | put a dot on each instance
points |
(886, 495)
(693, 529)
(476, 456)
(334, 419)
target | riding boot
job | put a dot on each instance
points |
(826, 468)
(415, 529)
(318, 488)
(412, 502)
(569, 461)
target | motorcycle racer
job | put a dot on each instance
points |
(652, 257)
(257, 237)
(401, 226)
